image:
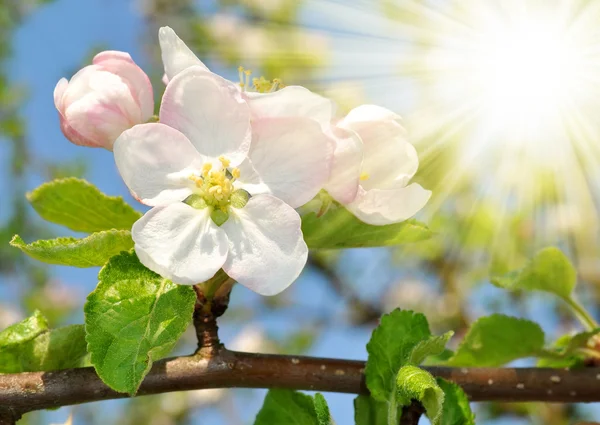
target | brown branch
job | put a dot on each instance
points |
(25, 392)
(411, 413)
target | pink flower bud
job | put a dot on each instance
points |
(103, 99)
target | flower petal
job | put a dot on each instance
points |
(59, 91)
(292, 156)
(176, 55)
(369, 113)
(266, 248)
(388, 158)
(291, 101)
(210, 111)
(121, 64)
(347, 162)
(380, 207)
(155, 162)
(180, 243)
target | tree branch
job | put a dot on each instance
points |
(25, 392)
(412, 413)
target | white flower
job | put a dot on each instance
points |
(372, 161)
(240, 185)
(389, 162)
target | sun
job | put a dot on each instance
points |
(528, 74)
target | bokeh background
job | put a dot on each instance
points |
(500, 97)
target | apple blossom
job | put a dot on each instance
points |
(103, 99)
(389, 162)
(223, 193)
(372, 161)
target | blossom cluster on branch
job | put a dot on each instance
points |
(225, 166)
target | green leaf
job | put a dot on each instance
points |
(338, 228)
(91, 251)
(497, 339)
(456, 409)
(390, 347)
(287, 407)
(81, 206)
(368, 411)
(133, 318)
(23, 331)
(55, 349)
(567, 351)
(322, 410)
(434, 346)
(549, 270)
(414, 383)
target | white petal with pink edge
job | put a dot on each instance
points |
(292, 156)
(180, 243)
(347, 162)
(380, 207)
(267, 251)
(121, 64)
(291, 101)
(210, 112)
(156, 161)
(388, 157)
(176, 55)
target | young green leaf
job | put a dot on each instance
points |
(456, 409)
(81, 206)
(390, 347)
(414, 383)
(570, 350)
(433, 346)
(91, 251)
(293, 408)
(322, 410)
(368, 411)
(338, 228)
(549, 270)
(24, 331)
(497, 339)
(133, 318)
(55, 349)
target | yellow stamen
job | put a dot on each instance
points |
(224, 161)
(235, 173)
(364, 176)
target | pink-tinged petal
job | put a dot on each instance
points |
(156, 161)
(121, 64)
(180, 243)
(266, 249)
(380, 207)
(347, 162)
(292, 156)
(388, 157)
(59, 91)
(291, 101)
(75, 137)
(79, 85)
(369, 113)
(176, 55)
(69, 132)
(210, 112)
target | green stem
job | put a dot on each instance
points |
(584, 317)
(392, 417)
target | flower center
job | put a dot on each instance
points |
(214, 189)
(260, 85)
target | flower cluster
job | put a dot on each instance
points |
(225, 168)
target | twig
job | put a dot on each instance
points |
(411, 414)
(25, 392)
